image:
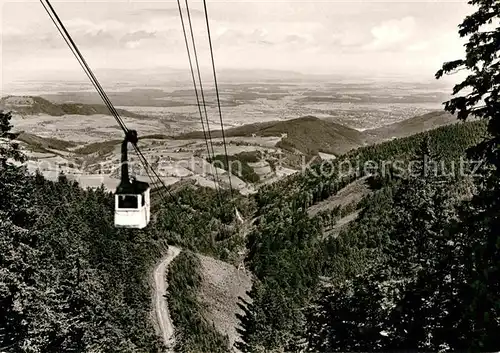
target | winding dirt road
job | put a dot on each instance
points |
(160, 303)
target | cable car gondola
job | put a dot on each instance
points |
(132, 197)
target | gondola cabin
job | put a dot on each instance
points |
(132, 205)
(132, 199)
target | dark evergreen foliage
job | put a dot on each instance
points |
(70, 280)
(435, 285)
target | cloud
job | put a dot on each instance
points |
(132, 40)
(138, 35)
(283, 34)
(391, 34)
(276, 36)
(132, 44)
(296, 39)
(91, 28)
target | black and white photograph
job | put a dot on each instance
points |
(249, 176)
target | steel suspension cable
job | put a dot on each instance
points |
(95, 82)
(192, 74)
(211, 156)
(218, 97)
(72, 46)
(201, 85)
(78, 58)
(74, 49)
(139, 152)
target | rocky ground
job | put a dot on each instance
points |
(222, 286)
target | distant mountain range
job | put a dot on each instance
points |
(310, 135)
(410, 126)
(166, 76)
(307, 134)
(32, 105)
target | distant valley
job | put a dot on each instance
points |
(250, 97)
(83, 141)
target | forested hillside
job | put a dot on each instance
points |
(310, 135)
(320, 181)
(58, 236)
(291, 258)
(418, 269)
(70, 281)
(410, 126)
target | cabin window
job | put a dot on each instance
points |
(127, 201)
(142, 200)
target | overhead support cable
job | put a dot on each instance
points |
(218, 97)
(209, 140)
(147, 165)
(74, 49)
(192, 75)
(67, 38)
(199, 75)
(76, 52)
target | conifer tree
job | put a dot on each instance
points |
(388, 306)
(478, 242)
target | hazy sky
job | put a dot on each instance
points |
(372, 37)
